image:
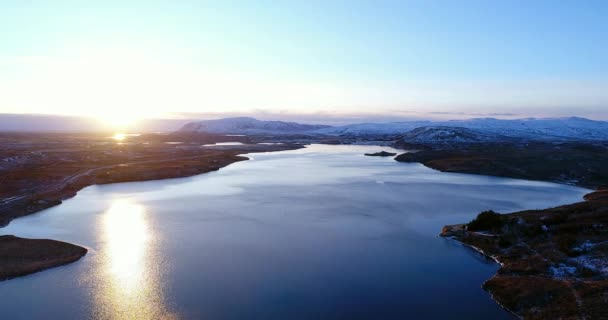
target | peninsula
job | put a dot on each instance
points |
(19, 256)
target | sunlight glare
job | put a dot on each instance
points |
(126, 235)
(119, 136)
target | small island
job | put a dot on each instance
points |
(381, 154)
(554, 262)
(20, 257)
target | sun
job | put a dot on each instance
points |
(119, 136)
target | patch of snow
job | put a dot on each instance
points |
(562, 271)
(595, 264)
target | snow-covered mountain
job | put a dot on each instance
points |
(448, 135)
(572, 128)
(560, 128)
(377, 128)
(247, 125)
(532, 128)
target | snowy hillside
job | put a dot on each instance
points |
(539, 129)
(487, 128)
(247, 125)
(561, 128)
(377, 128)
(448, 135)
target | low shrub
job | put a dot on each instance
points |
(487, 220)
(504, 242)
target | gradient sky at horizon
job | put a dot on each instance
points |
(404, 58)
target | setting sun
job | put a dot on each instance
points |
(119, 136)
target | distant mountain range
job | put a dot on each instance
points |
(248, 125)
(532, 128)
(482, 129)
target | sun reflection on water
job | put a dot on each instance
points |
(129, 284)
(127, 236)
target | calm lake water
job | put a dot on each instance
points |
(317, 233)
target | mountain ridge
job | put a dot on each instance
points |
(248, 125)
(567, 128)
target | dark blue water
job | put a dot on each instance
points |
(318, 233)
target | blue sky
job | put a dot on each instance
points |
(401, 58)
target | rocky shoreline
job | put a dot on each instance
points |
(553, 262)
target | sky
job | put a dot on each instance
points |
(120, 61)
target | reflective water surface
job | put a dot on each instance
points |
(317, 233)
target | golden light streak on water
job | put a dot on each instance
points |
(128, 284)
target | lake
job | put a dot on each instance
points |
(317, 233)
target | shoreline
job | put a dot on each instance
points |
(493, 258)
(160, 169)
(41, 250)
(64, 194)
